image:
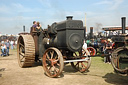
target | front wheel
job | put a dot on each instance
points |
(53, 62)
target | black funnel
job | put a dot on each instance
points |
(91, 32)
(123, 24)
(24, 28)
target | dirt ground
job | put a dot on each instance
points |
(98, 74)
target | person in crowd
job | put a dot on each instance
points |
(2, 42)
(11, 43)
(103, 43)
(107, 51)
(85, 49)
(7, 46)
(15, 44)
(3, 50)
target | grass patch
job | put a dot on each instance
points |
(99, 67)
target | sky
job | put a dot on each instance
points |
(14, 14)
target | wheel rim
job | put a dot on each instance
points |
(81, 66)
(25, 50)
(21, 52)
(92, 51)
(53, 62)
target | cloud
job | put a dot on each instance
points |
(104, 2)
(20, 8)
(112, 4)
(17, 5)
(17, 18)
(45, 3)
(15, 8)
(4, 9)
(116, 4)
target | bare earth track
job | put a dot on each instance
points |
(98, 74)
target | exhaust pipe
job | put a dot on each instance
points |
(24, 28)
(123, 24)
(91, 32)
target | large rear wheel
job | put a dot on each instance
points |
(25, 51)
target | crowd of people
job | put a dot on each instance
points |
(104, 46)
(6, 45)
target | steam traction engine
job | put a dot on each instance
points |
(58, 44)
(120, 54)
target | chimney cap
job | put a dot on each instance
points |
(69, 17)
(123, 17)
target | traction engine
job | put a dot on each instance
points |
(58, 44)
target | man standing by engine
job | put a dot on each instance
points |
(85, 51)
(107, 51)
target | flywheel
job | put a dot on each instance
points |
(25, 50)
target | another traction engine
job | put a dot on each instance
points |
(119, 58)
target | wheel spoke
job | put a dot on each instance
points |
(55, 69)
(21, 45)
(56, 60)
(83, 52)
(75, 54)
(52, 54)
(83, 65)
(56, 57)
(21, 54)
(50, 68)
(76, 64)
(22, 57)
(47, 56)
(58, 64)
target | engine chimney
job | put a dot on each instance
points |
(24, 28)
(69, 17)
(123, 24)
(91, 32)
